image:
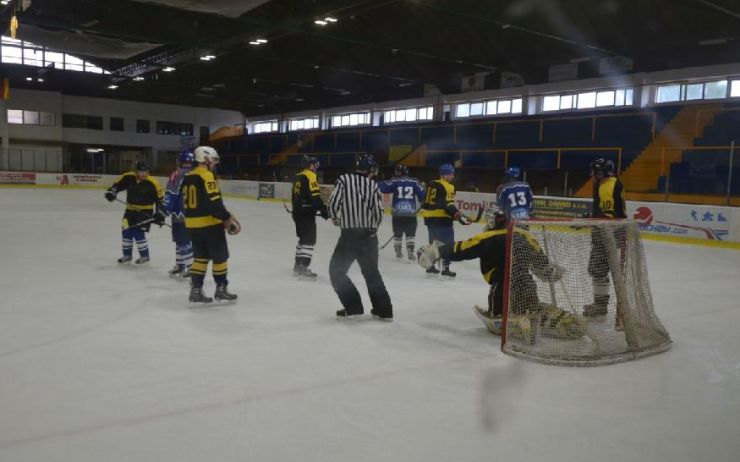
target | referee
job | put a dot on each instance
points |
(356, 206)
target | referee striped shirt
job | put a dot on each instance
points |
(356, 202)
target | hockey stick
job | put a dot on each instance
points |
(386, 243)
(140, 209)
(477, 217)
(287, 209)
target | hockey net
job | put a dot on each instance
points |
(577, 293)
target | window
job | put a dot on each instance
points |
(735, 88)
(350, 120)
(142, 126)
(493, 107)
(266, 126)
(715, 90)
(551, 103)
(694, 91)
(17, 116)
(116, 124)
(82, 121)
(29, 54)
(586, 100)
(174, 128)
(309, 123)
(668, 93)
(408, 115)
(566, 102)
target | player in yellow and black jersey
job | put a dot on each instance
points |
(490, 248)
(608, 202)
(439, 211)
(143, 207)
(306, 202)
(207, 220)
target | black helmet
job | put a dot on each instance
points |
(602, 165)
(141, 166)
(402, 170)
(307, 161)
(365, 163)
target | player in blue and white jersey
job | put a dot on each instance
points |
(173, 205)
(514, 197)
(407, 197)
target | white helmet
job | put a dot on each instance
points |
(202, 153)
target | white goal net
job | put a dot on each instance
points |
(577, 293)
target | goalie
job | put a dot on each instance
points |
(526, 314)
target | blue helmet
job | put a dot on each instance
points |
(446, 169)
(513, 172)
(307, 161)
(365, 163)
(186, 156)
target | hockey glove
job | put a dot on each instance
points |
(427, 255)
(159, 217)
(232, 225)
(110, 195)
(552, 272)
(463, 219)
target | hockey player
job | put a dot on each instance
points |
(406, 192)
(207, 221)
(490, 248)
(173, 206)
(514, 197)
(306, 202)
(143, 207)
(608, 202)
(439, 211)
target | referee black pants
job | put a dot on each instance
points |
(360, 245)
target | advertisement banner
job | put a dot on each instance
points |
(79, 179)
(266, 191)
(696, 221)
(17, 178)
(557, 207)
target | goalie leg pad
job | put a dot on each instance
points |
(558, 323)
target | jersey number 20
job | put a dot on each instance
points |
(190, 197)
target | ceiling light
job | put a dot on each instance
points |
(4, 2)
(330, 19)
(112, 86)
(29, 79)
(168, 69)
(207, 57)
(39, 79)
(138, 78)
(254, 43)
(261, 41)
(320, 22)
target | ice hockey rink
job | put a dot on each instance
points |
(100, 362)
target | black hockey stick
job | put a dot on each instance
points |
(386, 243)
(476, 220)
(140, 209)
(287, 209)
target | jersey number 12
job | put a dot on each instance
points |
(405, 192)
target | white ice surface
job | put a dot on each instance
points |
(106, 363)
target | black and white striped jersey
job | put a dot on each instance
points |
(356, 202)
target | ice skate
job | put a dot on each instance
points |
(197, 296)
(343, 315)
(598, 309)
(142, 260)
(124, 259)
(492, 323)
(304, 272)
(447, 273)
(177, 271)
(223, 295)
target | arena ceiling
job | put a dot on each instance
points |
(377, 50)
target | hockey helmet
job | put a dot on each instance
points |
(141, 166)
(495, 217)
(513, 172)
(401, 170)
(203, 153)
(602, 165)
(446, 169)
(307, 161)
(365, 163)
(186, 156)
